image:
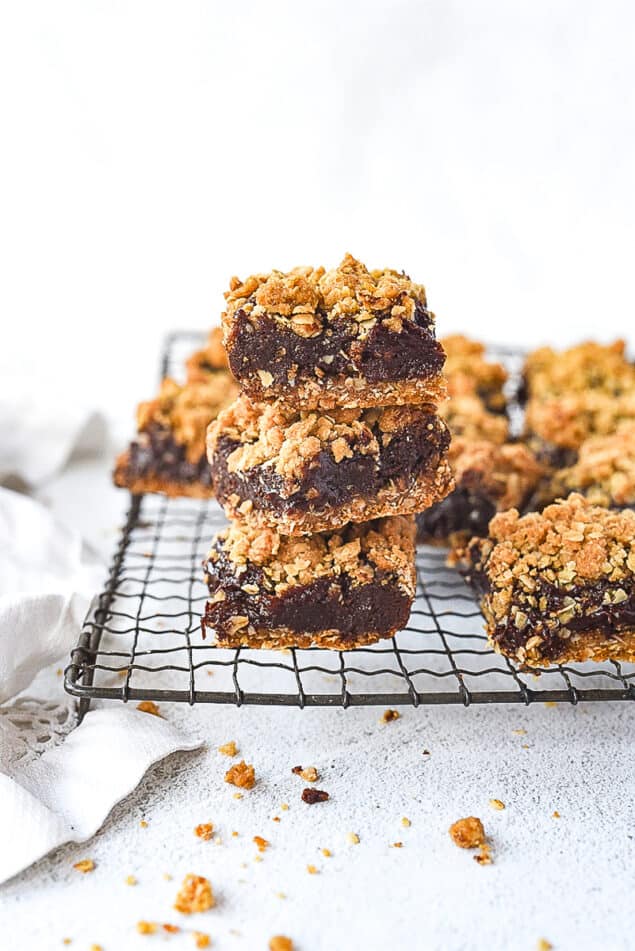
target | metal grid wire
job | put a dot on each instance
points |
(142, 640)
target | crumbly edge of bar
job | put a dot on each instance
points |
(604, 472)
(467, 416)
(277, 434)
(155, 484)
(359, 551)
(281, 638)
(305, 298)
(548, 372)
(429, 488)
(568, 421)
(581, 646)
(466, 367)
(350, 393)
(505, 473)
(208, 359)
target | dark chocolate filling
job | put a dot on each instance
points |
(381, 356)
(325, 604)
(155, 453)
(327, 483)
(462, 510)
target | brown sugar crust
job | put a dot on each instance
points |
(208, 359)
(558, 585)
(467, 416)
(140, 484)
(588, 366)
(567, 421)
(468, 372)
(350, 392)
(604, 472)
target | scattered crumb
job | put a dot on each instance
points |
(311, 796)
(201, 940)
(241, 774)
(520, 732)
(309, 775)
(280, 943)
(146, 927)
(544, 945)
(352, 838)
(210, 673)
(96, 947)
(281, 895)
(171, 929)
(425, 753)
(86, 865)
(238, 795)
(550, 703)
(204, 831)
(555, 814)
(326, 853)
(261, 843)
(525, 746)
(67, 940)
(194, 895)
(228, 749)
(484, 856)
(143, 824)
(130, 880)
(389, 715)
(467, 833)
(59, 671)
(257, 858)
(149, 706)
(275, 818)
(406, 823)
(397, 845)
(235, 834)
(312, 869)
(497, 804)
(167, 876)
(284, 806)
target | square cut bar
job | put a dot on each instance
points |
(469, 373)
(348, 337)
(556, 428)
(302, 472)
(557, 586)
(590, 366)
(336, 590)
(209, 360)
(168, 455)
(489, 479)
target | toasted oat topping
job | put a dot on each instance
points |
(468, 371)
(307, 298)
(286, 439)
(468, 833)
(208, 359)
(587, 366)
(242, 775)
(187, 410)
(506, 473)
(467, 416)
(569, 420)
(604, 472)
(385, 545)
(195, 895)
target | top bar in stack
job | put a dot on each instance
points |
(348, 337)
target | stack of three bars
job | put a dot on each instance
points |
(323, 460)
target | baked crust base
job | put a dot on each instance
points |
(280, 638)
(349, 392)
(427, 489)
(139, 485)
(587, 645)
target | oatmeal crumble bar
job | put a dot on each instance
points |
(489, 479)
(333, 589)
(168, 455)
(345, 337)
(208, 360)
(302, 471)
(590, 366)
(604, 472)
(556, 428)
(469, 373)
(557, 586)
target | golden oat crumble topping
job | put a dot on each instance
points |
(288, 439)
(604, 472)
(504, 473)
(468, 833)
(467, 416)
(571, 419)
(587, 366)
(467, 370)
(209, 358)
(241, 774)
(306, 298)
(195, 895)
(359, 551)
(187, 410)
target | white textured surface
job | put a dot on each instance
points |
(569, 880)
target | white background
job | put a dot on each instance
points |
(150, 150)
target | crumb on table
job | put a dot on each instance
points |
(308, 774)
(280, 943)
(149, 706)
(389, 715)
(86, 865)
(311, 796)
(467, 833)
(204, 831)
(195, 895)
(228, 749)
(241, 774)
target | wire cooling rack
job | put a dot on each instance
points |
(142, 639)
